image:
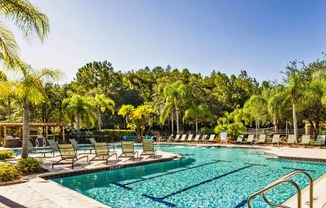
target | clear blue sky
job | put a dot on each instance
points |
(259, 36)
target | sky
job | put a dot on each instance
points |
(258, 36)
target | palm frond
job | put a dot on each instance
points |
(27, 17)
(9, 49)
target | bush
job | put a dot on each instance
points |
(8, 172)
(112, 135)
(4, 154)
(29, 165)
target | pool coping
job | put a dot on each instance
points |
(49, 176)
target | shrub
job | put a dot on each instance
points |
(4, 154)
(29, 165)
(8, 172)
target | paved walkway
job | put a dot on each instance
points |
(45, 193)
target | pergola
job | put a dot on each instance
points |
(4, 126)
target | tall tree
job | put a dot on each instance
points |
(28, 19)
(198, 113)
(30, 89)
(81, 107)
(294, 89)
(103, 103)
(138, 118)
(175, 96)
(257, 107)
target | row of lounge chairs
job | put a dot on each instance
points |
(191, 138)
(276, 139)
(69, 152)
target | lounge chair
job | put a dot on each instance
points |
(203, 138)
(211, 138)
(68, 153)
(305, 140)
(239, 140)
(53, 145)
(148, 148)
(291, 140)
(250, 139)
(183, 138)
(31, 148)
(176, 138)
(190, 136)
(77, 147)
(262, 139)
(170, 139)
(127, 148)
(320, 141)
(102, 152)
(93, 142)
(275, 139)
(197, 138)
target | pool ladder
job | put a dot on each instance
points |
(285, 179)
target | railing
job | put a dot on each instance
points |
(285, 179)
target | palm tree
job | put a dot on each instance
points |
(276, 103)
(175, 95)
(30, 90)
(80, 106)
(102, 103)
(28, 19)
(126, 111)
(137, 118)
(295, 90)
(198, 113)
(257, 107)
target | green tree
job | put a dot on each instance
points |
(103, 103)
(138, 118)
(28, 19)
(313, 109)
(126, 111)
(256, 106)
(294, 89)
(175, 95)
(198, 113)
(30, 89)
(79, 106)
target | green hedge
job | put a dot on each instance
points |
(5, 154)
(29, 165)
(112, 135)
(8, 172)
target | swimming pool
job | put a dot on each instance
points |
(205, 177)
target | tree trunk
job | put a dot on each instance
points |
(25, 128)
(78, 125)
(99, 120)
(275, 123)
(256, 129)
(177, 118)
(196, 125)
(172, 123)
(9, 110)
(295, 125)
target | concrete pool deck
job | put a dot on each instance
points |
(38, 192)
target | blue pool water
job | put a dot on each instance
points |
(205, 177)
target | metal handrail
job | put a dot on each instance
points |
(284, 179)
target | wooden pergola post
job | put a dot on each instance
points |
(46, 132)
(4, 135)
(63, 134)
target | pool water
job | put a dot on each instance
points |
(204, 177)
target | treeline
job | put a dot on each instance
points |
(173, 100)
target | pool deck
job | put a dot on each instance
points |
(38, 192)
